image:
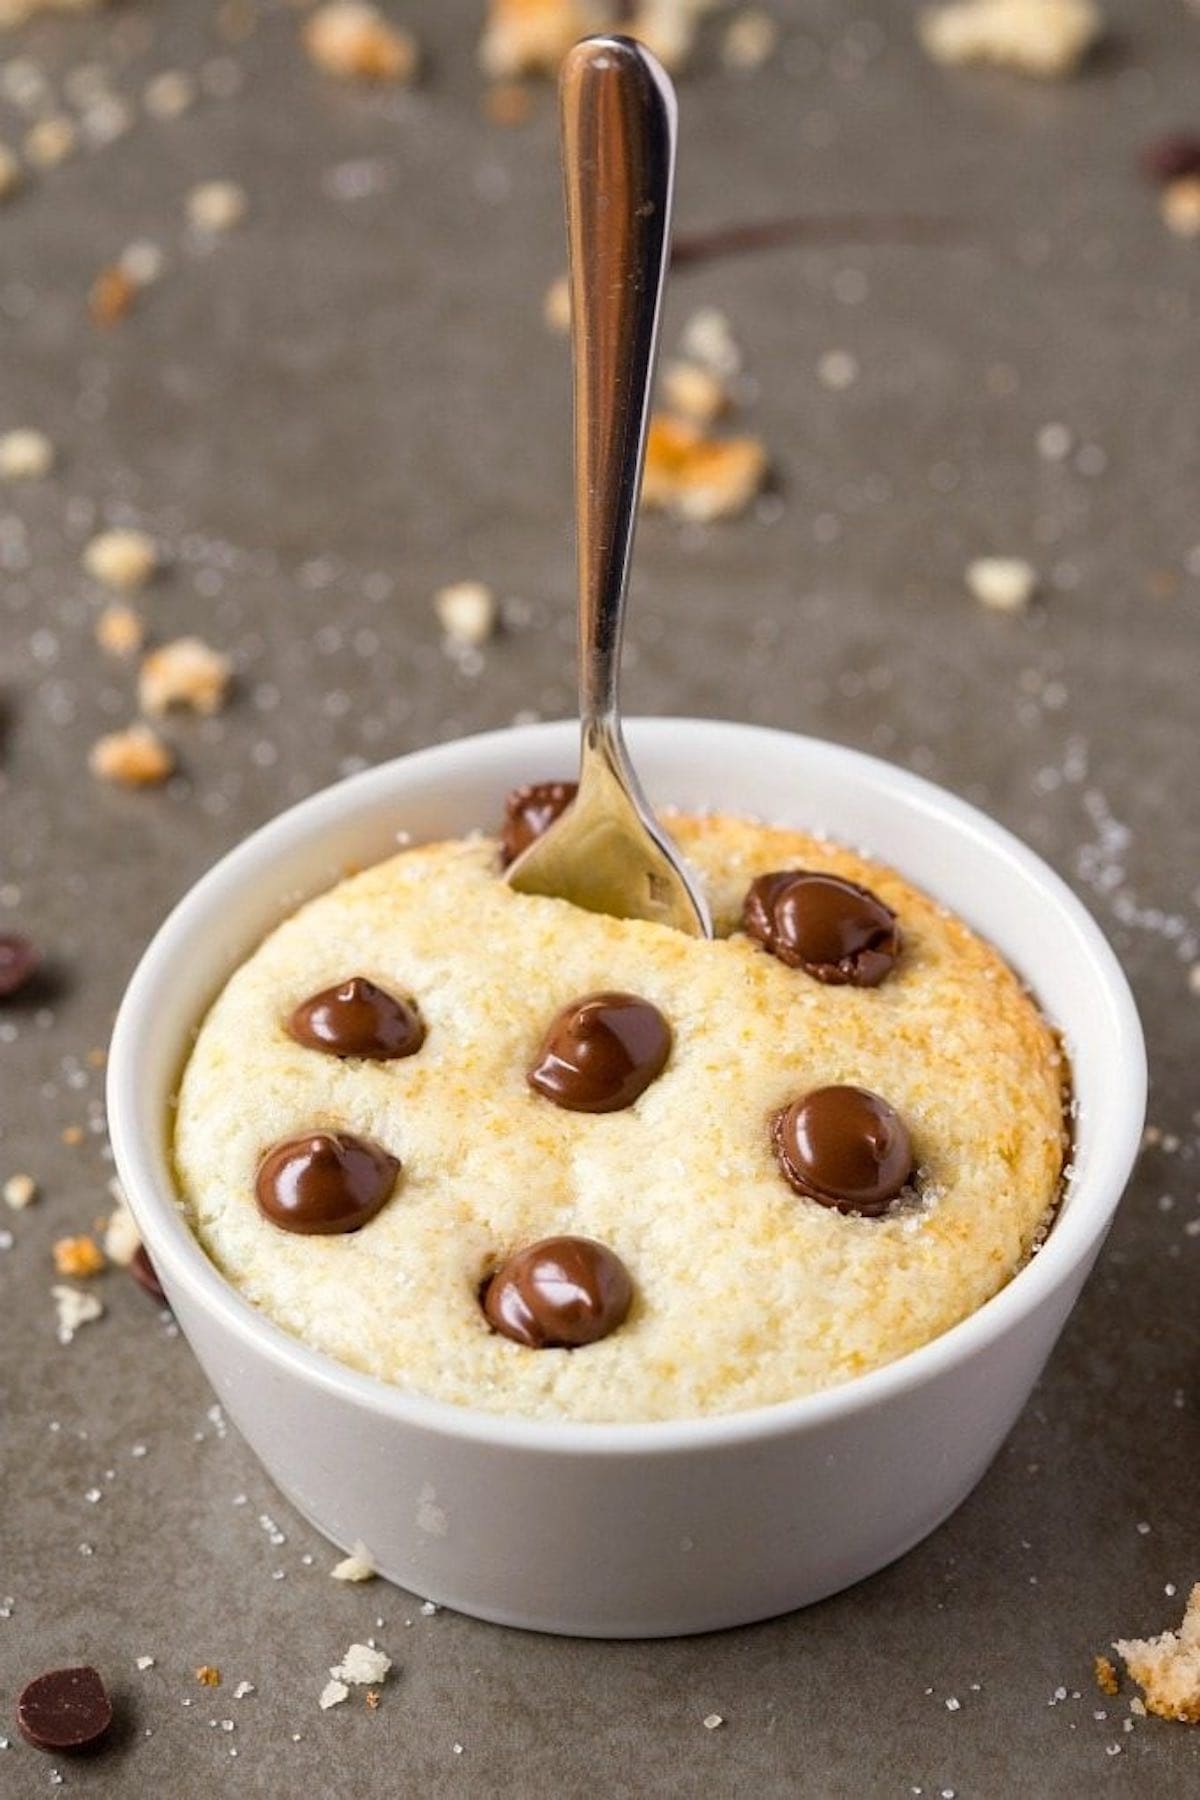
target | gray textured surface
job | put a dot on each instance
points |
(351, 401)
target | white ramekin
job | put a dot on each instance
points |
(636, 1530)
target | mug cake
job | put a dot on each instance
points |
(523, 1158)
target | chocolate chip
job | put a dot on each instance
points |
(357, 1018)
(601, 1053)
(829, 927)
(529, 811)
(324, 1182)
(559, 1294)
(146, 1275)
(1174, 157)
(65, 1709)
(844, 1147)
(18, 962)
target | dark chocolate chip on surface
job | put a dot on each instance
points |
(19, 960)
(324, 1182)
(844, 1147)
(559, 1294)
(358, 1018)
(146, 1275)
(65, 1709)
(529, 811)
(601, 1053)
(831, 928)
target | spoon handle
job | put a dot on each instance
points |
(618, 143)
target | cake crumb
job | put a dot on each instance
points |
(185, 673)
(50, 141)
(25, 455)
(707, 338)
(111, 296)
(837, 370)
(208, 1676)
(467, 612)
(556, 306)
(1167, 1667)
(1047, 39)
(1002, 583)
(698, 477)
(1107, 1679)
(354, 41)
(530, 37)
(242, 1689)
(1179, 204)
(74, 1310)
(120, 630)
(332, 1694)
(215, 206)
(20, 1191)
(11, 177)
(169, 94)
(122, 1239)
(123, 558)
(144, 1662)
(694, 392)
(372, 1698)
(135, 757)
(712, 1721)
(78, 1257)
(750, 40)
(355, 1567)
(364, 1665)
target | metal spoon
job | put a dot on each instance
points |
(606, 852)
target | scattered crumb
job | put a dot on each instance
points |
(707, 338)
(120, 630)
(11, 178)
(135, 757)
(1003, 583)
(837, 369)
(372, 1700)
(242, 1689)
(214, 206)
(72, 1134)
(121, 1236)
(530, 37)
(1194, 978)
(1167, 1667)
(355, 1567)
(556, 307)
(467, 612)
(1107, 1679)
(700, 478)
(73, 1310)
(169, 94)
(122, 559)
(142, 261)
(111, 296)
(185, 673)
(207, 1676)
(667, 28)
(508, 103)
(78, 1257)
(144, 1663)
(750, 40)
(25, 455)
(332, 1694)
(20, 1191)
(1055, 442)
(1044, 38)
(694, 392)
(1179, 204)
(363, 1666)
(50, 141)
(352, 40)
(712, 1721)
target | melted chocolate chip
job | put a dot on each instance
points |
(559, 1294)
(601, 1053)
(146, 1275)
(833, 929)
(357, 1018)
(65, 1709)
(845, 1148)
(324, 1182)
(19, 960)
(529, 811)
